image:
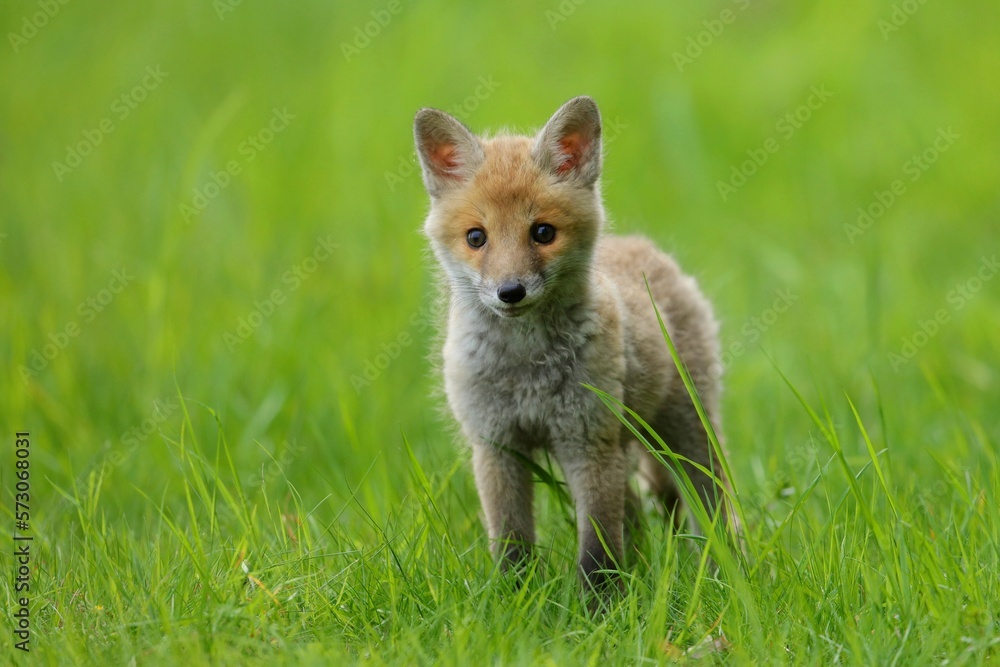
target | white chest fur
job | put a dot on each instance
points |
(519, 382)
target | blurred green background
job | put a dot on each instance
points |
(316, 115)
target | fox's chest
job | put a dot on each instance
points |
(526, 388)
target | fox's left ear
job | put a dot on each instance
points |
(569, 145)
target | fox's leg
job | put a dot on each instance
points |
(661, 485)
(597, 482)
(633, 516)
(505, 492)
(681, 429)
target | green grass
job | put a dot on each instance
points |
(201, 496)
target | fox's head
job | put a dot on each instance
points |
(513, 219)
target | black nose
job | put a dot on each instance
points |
(511, 292)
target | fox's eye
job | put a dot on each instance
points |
(475, 238)
(543, 233)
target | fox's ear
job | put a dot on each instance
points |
(569, 145)
(449, 152)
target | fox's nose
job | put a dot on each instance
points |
(511, 292)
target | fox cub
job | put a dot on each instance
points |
(541, 301)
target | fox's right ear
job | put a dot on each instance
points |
(449, 152)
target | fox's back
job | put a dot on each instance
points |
(625, 261)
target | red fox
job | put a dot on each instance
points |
(541, 301)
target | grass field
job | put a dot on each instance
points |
(218, 318)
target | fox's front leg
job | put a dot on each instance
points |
(597, 479)
(505, 490)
